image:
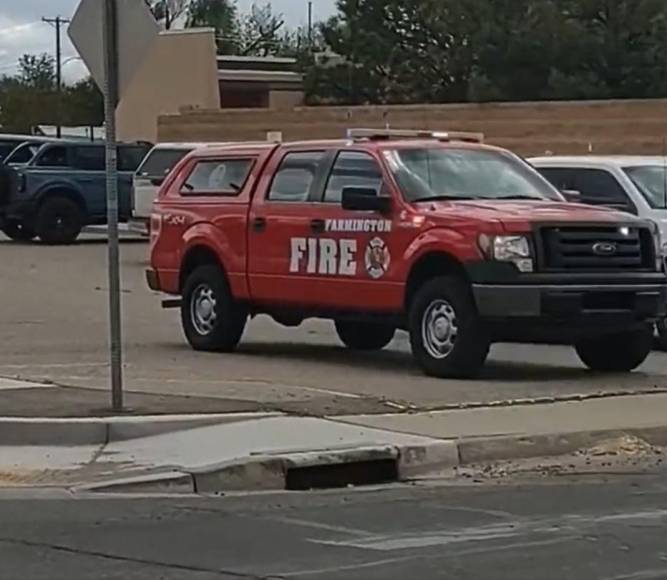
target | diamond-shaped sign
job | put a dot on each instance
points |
(137, 31)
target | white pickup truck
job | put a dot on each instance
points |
(148, 178)
(633, 183)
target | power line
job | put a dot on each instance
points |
(57, 22)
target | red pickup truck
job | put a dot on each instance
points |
(459, 243)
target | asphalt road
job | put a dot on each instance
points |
(53, 325)
(604, 528)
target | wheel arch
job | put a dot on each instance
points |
(196, 256)
(429, 266)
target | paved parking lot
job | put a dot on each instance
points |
(53, 325)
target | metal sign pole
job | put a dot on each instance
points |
(110, 34)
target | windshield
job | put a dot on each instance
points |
(23, 153)
(651, 181)
(6, 147)
(439, 173)
(160, 162)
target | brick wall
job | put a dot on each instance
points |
(528, 128)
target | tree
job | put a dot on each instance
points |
(220, 15)
(37, 71)
(624, 44)
(83, 104)
(168, 11)
(260, 32)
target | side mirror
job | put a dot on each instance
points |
(157, 181)
(364, 199)
(572, 195)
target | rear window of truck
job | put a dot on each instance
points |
(217, 177)
(159, 162)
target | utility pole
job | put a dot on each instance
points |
(57, 22)
(310, 25)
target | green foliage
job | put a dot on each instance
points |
(30, 98)
(404, 51)
(220, 15)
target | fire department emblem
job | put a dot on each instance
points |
(377, 258)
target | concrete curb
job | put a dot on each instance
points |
(273, 472)
(100, 430)
(375, 463)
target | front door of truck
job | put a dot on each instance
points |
(283, 229)
(369, 245)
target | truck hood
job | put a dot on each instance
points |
(521, 215)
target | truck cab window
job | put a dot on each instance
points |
(130, 157)
(295, 177)
(599, 187)
(561, 178)
(55, 156)
(90, 158)
(352, 169)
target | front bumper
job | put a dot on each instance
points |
(19, 210)
(575, 302)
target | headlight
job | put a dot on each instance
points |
(514, 249)
(508, 248)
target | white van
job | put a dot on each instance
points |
(150, 175)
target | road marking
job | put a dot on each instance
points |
(14, 385)
(51, 365)
(322, 526)
(438, 556)
(318, 571)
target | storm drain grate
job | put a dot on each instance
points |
(337, 475)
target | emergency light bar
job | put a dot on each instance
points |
(397, 134)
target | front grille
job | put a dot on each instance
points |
(596, 248)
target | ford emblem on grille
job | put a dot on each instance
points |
(605, 249)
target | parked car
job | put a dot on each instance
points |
(24, 153)
(149, 177)
(63, 188)
(635, 184)
(459, 243)
(9, 142)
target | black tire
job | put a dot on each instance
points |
(621, 352)
(17, 231)
(364, 335)
(221, 330)
(661, 330)
(445, 305)
(59, 221)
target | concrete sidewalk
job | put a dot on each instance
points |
(251, 451)
(20, 398)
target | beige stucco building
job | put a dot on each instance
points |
(179, 72)
(183, 73)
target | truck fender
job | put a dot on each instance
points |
(204, 241)
(434, 253)
(443, 241)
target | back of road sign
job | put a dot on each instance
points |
(137, 31)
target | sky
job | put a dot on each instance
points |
(21, 29)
